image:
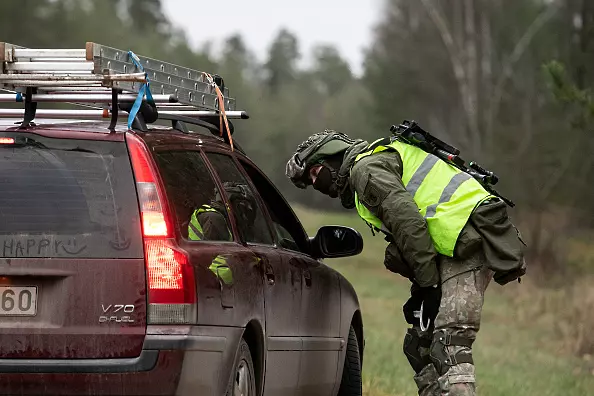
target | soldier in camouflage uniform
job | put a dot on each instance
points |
(446, 234)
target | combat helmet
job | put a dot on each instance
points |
(313, 151)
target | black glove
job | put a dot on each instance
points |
(431, 299)
(413, 304)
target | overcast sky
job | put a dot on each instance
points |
(345, 23)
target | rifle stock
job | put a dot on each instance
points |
(411, 133)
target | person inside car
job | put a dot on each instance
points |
(209, 221)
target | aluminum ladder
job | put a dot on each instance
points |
(98, 79)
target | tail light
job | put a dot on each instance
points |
(171, 286)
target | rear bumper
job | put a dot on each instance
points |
(192, 361)
(147, 360)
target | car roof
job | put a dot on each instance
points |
(66, 129)
(167, 136)
(99, 130)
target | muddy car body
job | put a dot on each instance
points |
(103, 292)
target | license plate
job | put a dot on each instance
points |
(18, 300)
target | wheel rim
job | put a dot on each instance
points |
(242, 380)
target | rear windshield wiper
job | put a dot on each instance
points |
(81, 150)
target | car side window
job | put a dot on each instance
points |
(199, 208)
(250, 219)
(288, 230)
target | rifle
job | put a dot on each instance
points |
(411, 133)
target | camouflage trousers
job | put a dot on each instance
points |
(463, 290)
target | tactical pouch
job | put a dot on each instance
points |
(503, 278)
(501, 241)
(413, 343)
(468, 243)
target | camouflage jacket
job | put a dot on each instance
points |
(377, 179)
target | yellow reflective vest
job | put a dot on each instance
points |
(445, 195)
(195, 231)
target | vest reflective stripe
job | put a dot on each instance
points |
(195, 232)
(421, 173)
(447, 193)
(444, 195)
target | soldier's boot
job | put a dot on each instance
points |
(452, 358)
(416, 349)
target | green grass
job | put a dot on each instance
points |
(516, 353)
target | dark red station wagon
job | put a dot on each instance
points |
(157, 260)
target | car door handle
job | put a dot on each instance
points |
(269, 273)
(267, 269)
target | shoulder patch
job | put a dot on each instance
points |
(372, 194)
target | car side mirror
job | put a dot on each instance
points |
(336, 241)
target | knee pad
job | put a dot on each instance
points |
(441, 358)
(413, 342)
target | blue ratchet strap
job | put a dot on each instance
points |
(19, 97)
(145, 89)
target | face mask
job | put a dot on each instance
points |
(325, 184)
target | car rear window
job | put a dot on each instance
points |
(67, 198)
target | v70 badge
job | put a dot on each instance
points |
(114, 313)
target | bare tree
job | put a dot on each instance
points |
(474, 75)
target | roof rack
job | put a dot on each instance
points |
(105, 79)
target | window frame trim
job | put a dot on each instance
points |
(250, 163)
(262, 206)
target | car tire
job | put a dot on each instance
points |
(243, 379)
(351, 383)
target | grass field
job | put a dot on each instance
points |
(518, 350)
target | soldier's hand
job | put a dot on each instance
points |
(431, 297)
(413, 304)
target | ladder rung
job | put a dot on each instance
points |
(35, 83)
(49, 53)
(236, 114)
(87, 90)
(134, 77)
(174, 106)
(82, 98)
(53, 114)
(49, 66)
(57, 60)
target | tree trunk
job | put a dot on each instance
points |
(486, 73)
(470, 49)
